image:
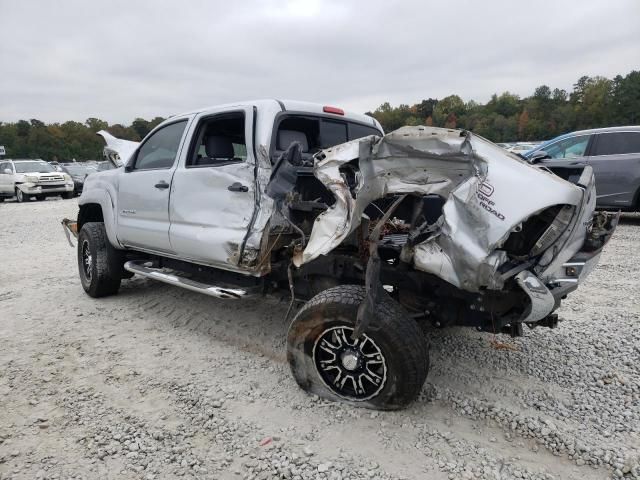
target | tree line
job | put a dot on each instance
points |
(66, 141)
(593, 102)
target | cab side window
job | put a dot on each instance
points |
(569, 147)
(617, 143)
(160, 150)
(3, 167)
(220, 140)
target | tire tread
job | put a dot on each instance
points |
(105, 279)
(401, 329)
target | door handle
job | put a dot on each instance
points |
(238, 187)
(162, 185)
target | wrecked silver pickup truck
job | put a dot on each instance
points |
(375, 232)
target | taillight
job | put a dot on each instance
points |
(335, 110)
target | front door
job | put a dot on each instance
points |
(145, 187)
(212, 200)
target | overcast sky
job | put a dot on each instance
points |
(70, 60)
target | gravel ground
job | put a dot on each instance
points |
(159, 382)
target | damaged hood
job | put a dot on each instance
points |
(116, 150)
(488, 194)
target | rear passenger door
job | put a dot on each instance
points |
(213, 195)
(615, 158)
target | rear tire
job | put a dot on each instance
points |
(67, 195)
(384, 369)
(99, 264)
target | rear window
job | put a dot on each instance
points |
(617, 143)
(315, 133)
(358, 131)
(332, 133)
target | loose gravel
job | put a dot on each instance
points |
(158, 382)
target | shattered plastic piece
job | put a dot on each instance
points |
(117, 150)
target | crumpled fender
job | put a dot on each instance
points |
(489, 192)
(100, 188)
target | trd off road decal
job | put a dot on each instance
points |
(485, 190)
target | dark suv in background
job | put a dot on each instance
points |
(614, 154)
(78, 171)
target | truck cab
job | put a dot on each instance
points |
(192, 188)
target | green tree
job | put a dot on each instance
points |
(451, 104)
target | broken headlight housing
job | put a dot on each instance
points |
(539, 232)
(553, 232)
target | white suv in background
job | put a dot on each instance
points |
(25, 179)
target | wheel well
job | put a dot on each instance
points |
(90, 212)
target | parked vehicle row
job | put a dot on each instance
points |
(35, 178)
(27, 179)
(519, 147)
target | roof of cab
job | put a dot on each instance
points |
(290, 105)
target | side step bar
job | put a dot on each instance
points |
(144, 268)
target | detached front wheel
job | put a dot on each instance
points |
(99, 263)
(384, 368)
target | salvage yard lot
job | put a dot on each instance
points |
(159, 382)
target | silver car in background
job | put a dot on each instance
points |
(614, 155)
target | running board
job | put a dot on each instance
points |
(143, 268)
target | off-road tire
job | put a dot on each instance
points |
(398, 336)
(22, 197)
(41, 197)
(67, 195)
(104, 264)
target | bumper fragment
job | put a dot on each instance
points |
(542, 301)
(70, 228)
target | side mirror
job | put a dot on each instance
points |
(8, 171)
(537, 156)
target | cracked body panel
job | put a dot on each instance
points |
(478, 179)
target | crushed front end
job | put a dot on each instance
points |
(464, 232)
